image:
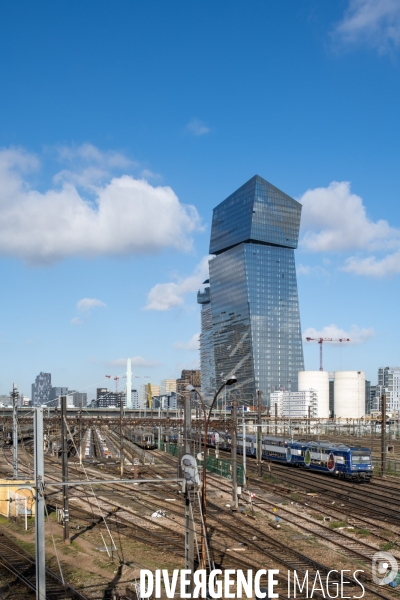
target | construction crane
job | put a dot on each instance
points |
(116, 379)
(320, 342)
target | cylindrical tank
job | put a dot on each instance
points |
(319, 381)
(349, 394)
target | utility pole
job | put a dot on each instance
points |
(39, 505)
(64, 458)
(259, 433)
(121, 438)
(234, 454)
(383, 435)
(14, 395)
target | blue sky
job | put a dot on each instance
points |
(123, 124)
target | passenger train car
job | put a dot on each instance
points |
(340, 460)
(143, 438)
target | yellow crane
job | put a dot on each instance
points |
(149, 396)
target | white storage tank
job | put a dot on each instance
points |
(349, 394)
(319, 381)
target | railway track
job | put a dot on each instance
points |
(259, 541)
(231, 526)
(22, 565)
(373, 500)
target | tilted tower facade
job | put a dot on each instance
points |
(250, 311)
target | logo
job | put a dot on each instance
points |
(384, 568)
(307, 458)
(331, 462)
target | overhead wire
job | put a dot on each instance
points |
(93, 492)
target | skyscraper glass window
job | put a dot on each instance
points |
(250, 309)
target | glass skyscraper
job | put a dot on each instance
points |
(250, 320)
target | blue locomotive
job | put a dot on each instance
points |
(340, 460)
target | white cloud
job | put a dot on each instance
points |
(45, 227)
(137, 361)
(197, 127)
(76, 321)
(147, 174)
(303, 270)
(88, 166)
(89, 154)
(373, 22)
(88, 303)
(356, 335)
(371, 266)
(193, 344)
(164, 296)
(334, 219)
(309, 270)
(194, 363)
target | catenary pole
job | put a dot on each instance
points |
(383, 436)
(187, 428)
(259, 432)
(189, 518)
(64, 458)
(129, 383)
(121, 438)
(15, 430)
(244, 451)
(234, 454)
(80, 438)
(39, 505)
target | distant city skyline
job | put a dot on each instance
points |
(115, 148)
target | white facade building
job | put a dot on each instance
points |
(389, 384)
(295, 404)
(136, 400)
(318, 381)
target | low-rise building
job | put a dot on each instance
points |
(302, 404)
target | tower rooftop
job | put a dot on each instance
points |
(257, 212)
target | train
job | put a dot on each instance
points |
(144, 438)
(339, 460)
(336, 459)
(331, 458)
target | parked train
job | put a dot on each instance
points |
(336, 459)
(144, 438)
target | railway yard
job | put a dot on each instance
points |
(287, 519)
